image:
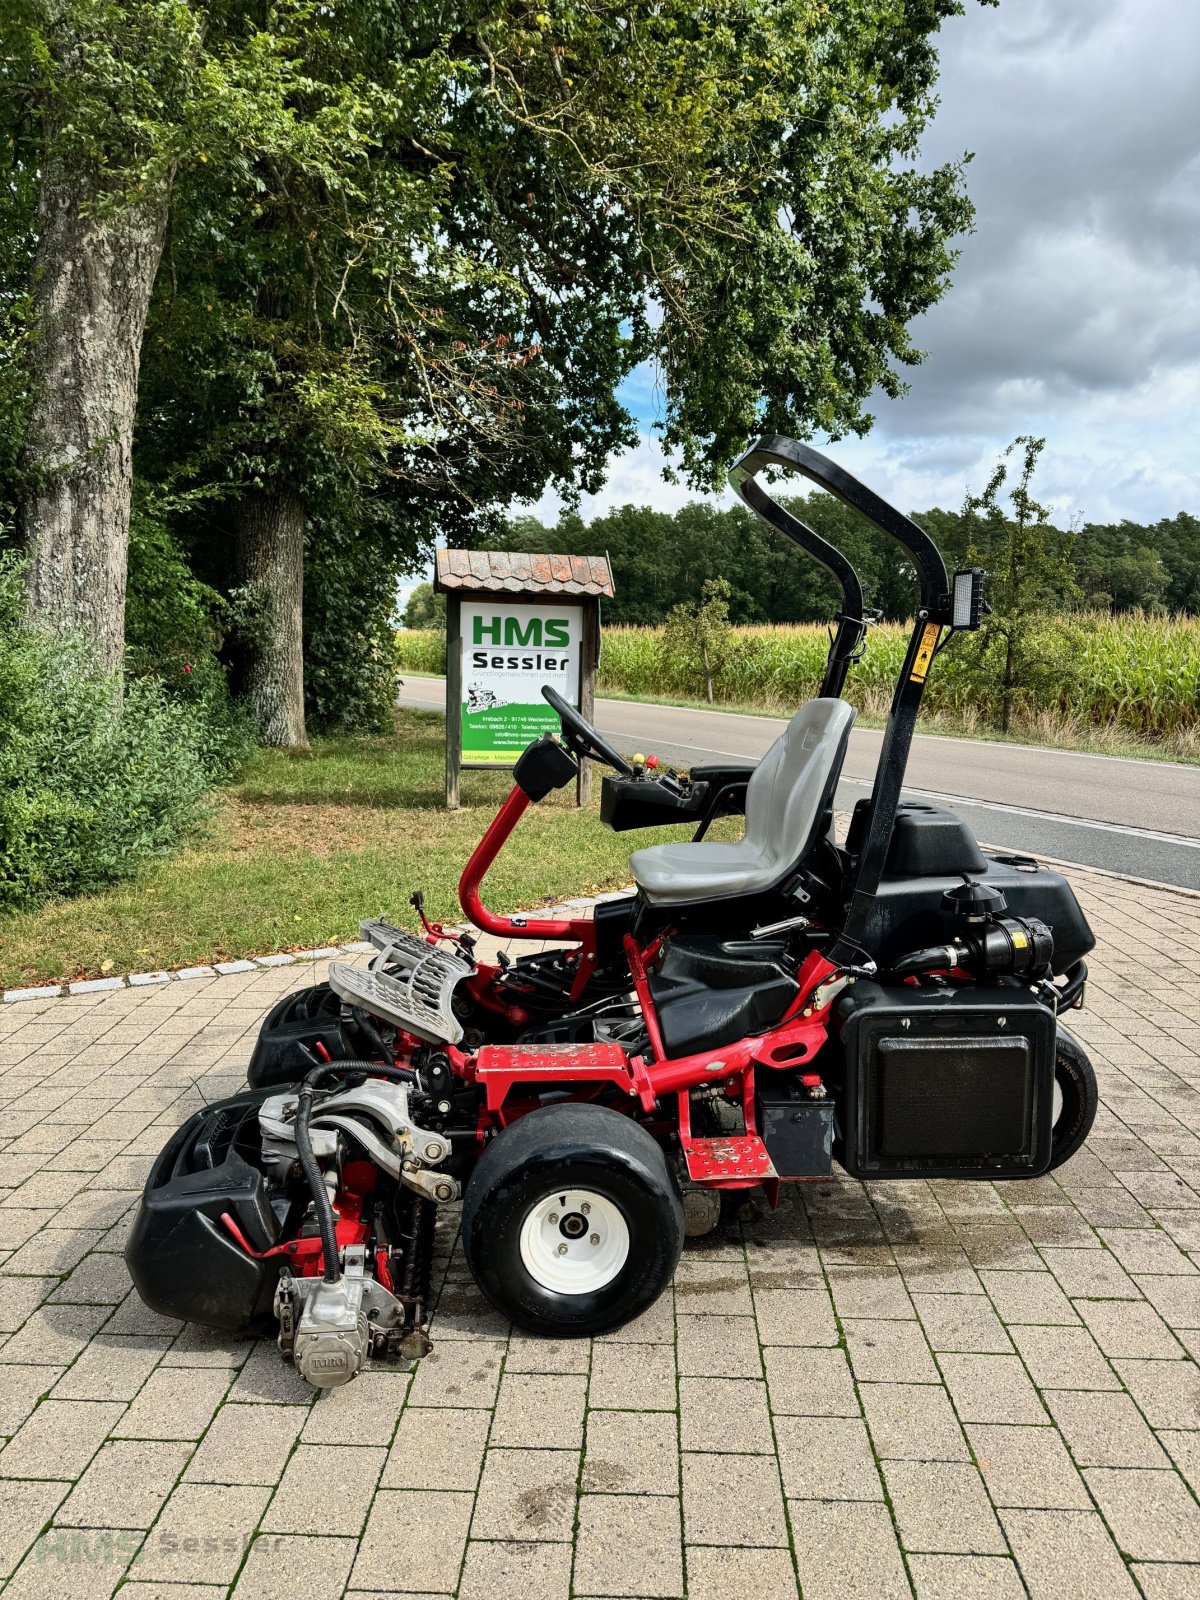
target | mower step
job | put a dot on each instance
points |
(737, 1160)
(409, 983)
(381, 934)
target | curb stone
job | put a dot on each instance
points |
(283, 958)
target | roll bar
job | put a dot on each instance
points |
(936, 609)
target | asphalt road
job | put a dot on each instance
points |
(1139, 818)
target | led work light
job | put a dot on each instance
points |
(967, 598)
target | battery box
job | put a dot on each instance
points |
(945, 1083)
(797, 1130)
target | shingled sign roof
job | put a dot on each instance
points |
(518, 572)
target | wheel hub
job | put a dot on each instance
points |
(574, 1241)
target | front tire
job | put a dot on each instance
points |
(572, 1223)
(1076, 1098)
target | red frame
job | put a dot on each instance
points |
(499, 1070)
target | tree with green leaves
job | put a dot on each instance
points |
(409, 258)
(697, 640)
(1028, 563)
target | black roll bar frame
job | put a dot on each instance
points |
(933, 613)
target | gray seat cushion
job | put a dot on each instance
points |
(785, 801)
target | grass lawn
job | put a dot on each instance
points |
(301, 847)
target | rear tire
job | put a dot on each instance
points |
(572, 1223)
(1075, 1082)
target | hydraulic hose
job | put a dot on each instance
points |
(322, 1204)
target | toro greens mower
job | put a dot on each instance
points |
(749, 1014)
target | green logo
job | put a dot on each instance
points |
(537, 631)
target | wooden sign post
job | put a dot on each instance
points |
(514, 622)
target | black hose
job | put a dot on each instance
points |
(930, 960)
(371, 1034)
(322, 1204)
(316, 1183)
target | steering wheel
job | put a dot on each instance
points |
(580, 736)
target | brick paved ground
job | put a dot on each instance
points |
(943, 1389)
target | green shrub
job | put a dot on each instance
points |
(90, 785)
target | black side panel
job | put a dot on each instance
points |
(927, 842)
(183, 1261)
(300, 1018)
(907, 913)
(710, 991)
(945, 1082)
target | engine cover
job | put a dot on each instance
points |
(945, 1083)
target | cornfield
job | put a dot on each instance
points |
(1135, 675)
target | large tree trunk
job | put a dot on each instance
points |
(92, 284)
(270, 555)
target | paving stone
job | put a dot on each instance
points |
(25, 1508)
(460, 1372)
(1147, 1250)
(540, 1411)
(514, 1571)
(58, 1439)
(92, 1560)
(942, 1506)
(364, 1412)
(961, 1322)
(1021, 1297)
(889, 1351)
(125, 1485)
(325, 1488)
(655, 1326)
(266, 1380)
(281, 1566)
(795, 1316)
(991, 1389)
(1130, 1327)
(632, 1453)
(1092, 1274)
(717, 1346)
(1027, 1467)
(715, 1574)
(725, 1414)
(628, 1545)
(1067, 1555)
(436, 1448)
(21, 1298)
(732, 1500)
(202, 1534)
(1151, 1514)
(869, 1291)
(1104, 1430)
(965, 1578)
(847, 1552)
(639, 1377)
(826, 1458)
(246, 1444)
(1167, 1392)
(110, 1369)
(528, 1353)
(913, 1422)
(1177, 1299)
(175, 1403)
(1064, 1358)
(21, 1388)
(712, 1288)
(812, 1383)
(1168, 1581)
(939, 1270)
(526, 1495)
(428, 1533)
(54, 1336)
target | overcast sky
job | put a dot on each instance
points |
(1074, 311)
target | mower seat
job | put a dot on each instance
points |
(788, 797)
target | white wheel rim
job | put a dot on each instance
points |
(574, 1241)
(1058, 1103)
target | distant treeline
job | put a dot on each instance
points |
(661, 560)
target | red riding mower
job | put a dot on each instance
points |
(752, 1012)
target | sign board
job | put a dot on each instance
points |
(508, 650)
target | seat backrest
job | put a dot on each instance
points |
(792, 786)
